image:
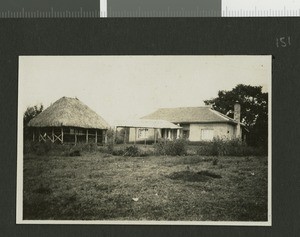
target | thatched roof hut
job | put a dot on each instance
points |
(68, 117)
(69, 112)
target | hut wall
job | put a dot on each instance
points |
(67, 135)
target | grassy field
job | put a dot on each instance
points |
(104, 187)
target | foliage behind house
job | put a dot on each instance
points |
(254, 110)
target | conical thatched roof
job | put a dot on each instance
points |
(69, 112)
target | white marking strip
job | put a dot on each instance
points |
(256, 8)
(103, 8)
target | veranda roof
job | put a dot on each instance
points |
(69, 112)
(147, 123)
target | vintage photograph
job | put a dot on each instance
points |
(144, 140)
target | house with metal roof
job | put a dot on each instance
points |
(200, 123)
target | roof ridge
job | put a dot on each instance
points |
(68, 97)
(183, 107)
(222, 115)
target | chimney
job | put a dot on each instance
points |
(210, 106)
(237, 118)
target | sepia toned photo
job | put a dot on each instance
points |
(144, 140)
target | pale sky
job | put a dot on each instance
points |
(129, 87)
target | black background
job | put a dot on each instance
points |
(177, 36)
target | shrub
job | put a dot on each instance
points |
(30, 147)
(86, 147)
(52, 149)
(209, 149)
(177, 147)
(74, 152)
(220, 147)
(146, 151)
(110, 140)
(215, 161)
(122, 135)
(132, 151)
(159, 147)
(42, 148)
(109, 148)
(117, 152)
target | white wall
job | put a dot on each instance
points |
(150, 134)
(225, 131)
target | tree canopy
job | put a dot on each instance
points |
(29, 114)
(32, 112)
(254, 110)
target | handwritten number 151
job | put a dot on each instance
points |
(283, 42)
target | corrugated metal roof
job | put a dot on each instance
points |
(147, 123)
(189, 115)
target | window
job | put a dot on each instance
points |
(207, 134)
(185, 130)
(143, 133)
(186, 134)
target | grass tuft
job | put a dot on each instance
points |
(191, 176)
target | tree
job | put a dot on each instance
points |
(122, 135)
(29, 114)
(254, 110)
